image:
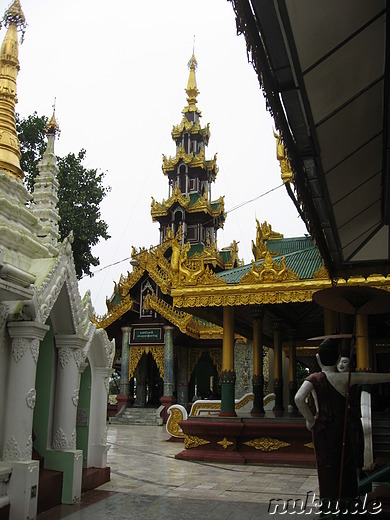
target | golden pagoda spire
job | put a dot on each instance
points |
(192, 89)
(52, 126)
(14, 20)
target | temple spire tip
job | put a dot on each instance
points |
(52, 126)
(15, 15)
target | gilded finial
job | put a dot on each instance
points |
(15, 15)
(52, 126)
(192, 89)
(193, 64)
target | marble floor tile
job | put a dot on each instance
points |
(148, 483)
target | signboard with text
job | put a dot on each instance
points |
(147, 335)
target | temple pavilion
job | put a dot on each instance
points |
(167, 355)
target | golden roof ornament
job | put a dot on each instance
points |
(15, 21)
(264, 232)
(52, 126)
(192, 89)
(285, 166)
(15, 15)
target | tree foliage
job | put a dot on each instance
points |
(31, 134)
(80, 193)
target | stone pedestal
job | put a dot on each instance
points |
(23, 490)
(124, 400)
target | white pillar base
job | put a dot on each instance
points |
(97, 455)
(23, 489)
(77, 475)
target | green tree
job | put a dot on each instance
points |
(80, 193)
(31, 134)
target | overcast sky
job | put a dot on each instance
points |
(118, 71)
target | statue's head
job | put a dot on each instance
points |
(344, 364)
(328, 352)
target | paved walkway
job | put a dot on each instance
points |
(148, 483)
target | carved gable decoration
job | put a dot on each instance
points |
(264, 232)
(269, 272)
(321, 273)
(102, 322)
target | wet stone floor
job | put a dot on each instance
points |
(148, 483)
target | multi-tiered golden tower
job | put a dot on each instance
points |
(9, 66)
(189, 207)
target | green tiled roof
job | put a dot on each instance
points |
(195, 248)
(194, 197)
(235, 275)
(225, 254)
(290, 245)
(301, 254)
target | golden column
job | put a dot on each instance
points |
(258, 376)
(9, 67)
(331, 322)
(292, 371)
(278, 373)
(228, 376)
(363, 363)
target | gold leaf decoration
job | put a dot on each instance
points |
(321, 273)
(175, 416)
(309, 445)
(204, 406)
(195, 160)
(269, 271)
(114, 314)
(136, 353)
(178, 318)
(225, 443)
(247, 399)
(266, 444)
(191, 441)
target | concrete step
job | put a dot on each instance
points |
(140, 416)
(49, 489)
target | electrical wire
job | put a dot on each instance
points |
(229, 211)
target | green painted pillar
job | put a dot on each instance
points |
(228, 376)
